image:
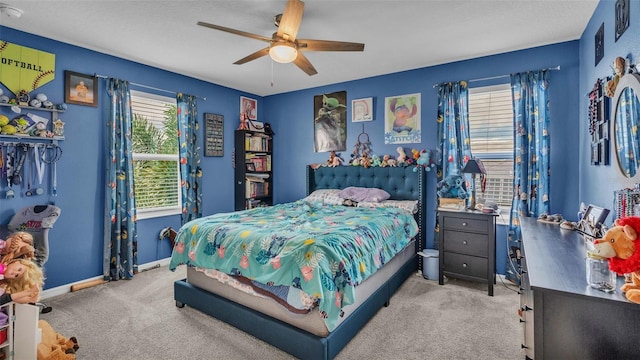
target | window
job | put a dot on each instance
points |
(156, 165)
(491, 132)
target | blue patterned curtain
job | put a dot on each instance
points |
(453, 132)
(190, 170)
(453, 128)
(120, 233)
(530, 157)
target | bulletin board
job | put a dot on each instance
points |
(213, 135)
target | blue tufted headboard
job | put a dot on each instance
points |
(402, 183)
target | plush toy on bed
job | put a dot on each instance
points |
(452, 186)
(620, 245)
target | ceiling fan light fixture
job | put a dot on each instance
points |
(283, 52)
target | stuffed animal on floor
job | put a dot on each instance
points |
(54, 346)
(620, 245)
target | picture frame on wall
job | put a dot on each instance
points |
(249, 107)
(362, 110)
(80, 89)
(214, 134)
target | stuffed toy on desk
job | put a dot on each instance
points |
(620, 245)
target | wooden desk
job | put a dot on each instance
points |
(563, 317)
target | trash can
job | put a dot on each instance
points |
(430, 259)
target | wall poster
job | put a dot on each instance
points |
(213, 135)
(330, 123)
(402, 119)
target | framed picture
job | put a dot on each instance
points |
(251, 166)
(80, 89)
(249, 107)
(402, 119)
(330, 122)
(213, 135)
(362, 110)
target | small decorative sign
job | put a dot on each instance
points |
(362, 110)
(213, 134)
(599, 44)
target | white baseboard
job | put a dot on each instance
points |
(63, 289)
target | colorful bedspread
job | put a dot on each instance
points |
(324, 250)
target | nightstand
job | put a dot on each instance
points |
(467, 243)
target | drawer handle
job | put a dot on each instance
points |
(464, 265)
(464, 223)
(464, 242)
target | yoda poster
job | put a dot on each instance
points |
(402, 119)
(330, 123)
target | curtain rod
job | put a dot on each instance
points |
(148, 87)
(494, 77)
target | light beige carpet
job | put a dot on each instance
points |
(138, 319)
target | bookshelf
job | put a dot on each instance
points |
(253, 169)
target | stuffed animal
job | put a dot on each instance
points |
(402, 156)
(376, 161)
(452, 186)
(18, 245)
(334, 160)
(424, 160)
(619, 245)
(54, 346)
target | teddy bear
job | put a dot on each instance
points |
(54, 346)
(452, 186)
(619, 246)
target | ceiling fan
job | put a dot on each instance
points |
(284, 47)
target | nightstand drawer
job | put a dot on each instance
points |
(465, 224)
(465, 265)
(466, 243)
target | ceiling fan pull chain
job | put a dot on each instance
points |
(271, 73)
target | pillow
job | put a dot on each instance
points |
(320, 195)
(360, 194)
(408, 205)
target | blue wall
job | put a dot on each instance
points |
(77, 236)
(293, 115)
(597, 183)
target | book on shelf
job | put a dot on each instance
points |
(256, 143)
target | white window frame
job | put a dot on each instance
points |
(150, 213)
(505, 211)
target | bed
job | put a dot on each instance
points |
(319, 333)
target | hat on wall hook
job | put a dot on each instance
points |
(10, 11)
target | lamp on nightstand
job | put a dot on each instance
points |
(473, 166)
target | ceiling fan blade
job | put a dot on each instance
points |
(255, 55)
(234, 31)
(328, 45)
(290, 21)
(304, 64)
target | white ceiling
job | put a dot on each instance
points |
(398, 35)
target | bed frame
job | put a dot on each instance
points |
(402, 183)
